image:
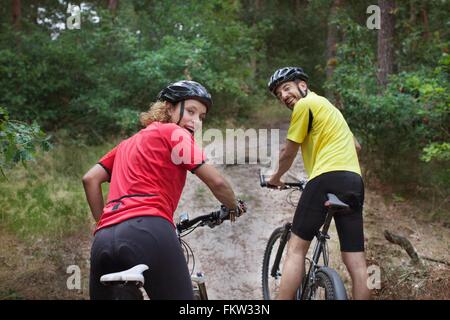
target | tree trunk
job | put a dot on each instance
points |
(299, 7)
(253, 62)
(412, 14)
(16, 14)
(112, 5)
(426, 25)
(331, 43)
(386, 41)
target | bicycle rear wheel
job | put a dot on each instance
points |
(328, 285)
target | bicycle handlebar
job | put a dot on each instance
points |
(287, 185)
(211, 217)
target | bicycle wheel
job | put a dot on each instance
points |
(271, 284)
(328, 285)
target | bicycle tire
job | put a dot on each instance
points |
(330, 281)
(266, 265)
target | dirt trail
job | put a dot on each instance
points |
(230, 255)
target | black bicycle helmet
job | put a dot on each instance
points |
(183, 90)
(284, 75)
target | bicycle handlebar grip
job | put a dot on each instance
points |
(262, 180)
(223, 214)
(216, 218)
(264, 183)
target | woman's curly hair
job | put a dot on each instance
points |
(158, 111)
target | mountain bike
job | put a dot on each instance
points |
(320, 282)
(129, 284)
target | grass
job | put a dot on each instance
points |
(46, 199)
(10, 295)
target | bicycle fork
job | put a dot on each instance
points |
(275, 272)
(199, 280)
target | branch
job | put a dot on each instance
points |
(405, 244)
(436, 260)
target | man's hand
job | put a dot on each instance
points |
(275, 182)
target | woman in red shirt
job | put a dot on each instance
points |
(147, 173)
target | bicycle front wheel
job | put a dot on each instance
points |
(271, 282)
(328, 285)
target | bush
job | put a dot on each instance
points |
(19, 141)
(404, 125)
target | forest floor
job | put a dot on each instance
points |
(231, 255)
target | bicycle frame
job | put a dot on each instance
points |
(199, 280)
(309, 282)
(320, 248)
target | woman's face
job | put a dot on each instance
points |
(194, 113)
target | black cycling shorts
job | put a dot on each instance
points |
(148, 240)
(311, 212)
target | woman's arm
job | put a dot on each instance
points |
(92, 183)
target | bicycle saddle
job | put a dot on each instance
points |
(334, 202)
(134, 274)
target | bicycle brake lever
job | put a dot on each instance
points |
(212, 224)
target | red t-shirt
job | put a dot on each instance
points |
(148, 173)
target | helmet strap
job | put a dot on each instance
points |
(181, 112)
(302, 93)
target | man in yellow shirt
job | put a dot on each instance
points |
(331, 161)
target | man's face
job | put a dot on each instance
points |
(288, 94)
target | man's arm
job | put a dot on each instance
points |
(92, 183)
(218, 185)
(287, 156)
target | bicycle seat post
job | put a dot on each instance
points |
(323, 234)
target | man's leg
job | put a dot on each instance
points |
(356, 266)
(293, 268)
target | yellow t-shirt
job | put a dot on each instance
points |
(329, 146)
